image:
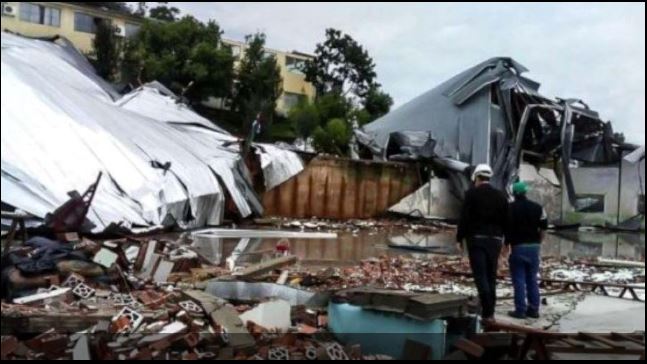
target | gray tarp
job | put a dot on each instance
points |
(61, 126)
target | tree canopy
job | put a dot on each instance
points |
(259, 81)
(186, 55)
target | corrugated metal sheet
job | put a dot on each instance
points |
(342, 189)
(163, 164)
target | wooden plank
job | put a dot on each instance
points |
(625, 337)
(573, 343)
(470, 348)
(601, 340)
(598, 351)
(268, 266)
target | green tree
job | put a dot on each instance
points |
(333, 105)
(259, 82)
(106, 51)
(304, 118)
(377, 103)
(341, 65)
(333, 138)
(164, 12)
(141, 9)
(187, 56)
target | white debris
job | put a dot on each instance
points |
(273, 315)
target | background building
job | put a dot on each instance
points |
(78, 23)
(295, 86)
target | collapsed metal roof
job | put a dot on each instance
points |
(165, 164)
(491, 114)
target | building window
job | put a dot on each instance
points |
(591, 204)
(294, 65)
(291, 100)
(87, 23)
(39, 14)
(268, 55)
(132, 30)
(236, 51)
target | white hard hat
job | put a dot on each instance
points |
(482, 170)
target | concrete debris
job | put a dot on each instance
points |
(161, 299)
(126, 321)
(82, 349)
(273, 315)
(164, 269)
(41, 296)
(83, 291)
(105, 258)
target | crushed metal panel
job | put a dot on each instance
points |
(491, 114)
(460, 126)
(434, 200)
(636, 156)
(278, 164)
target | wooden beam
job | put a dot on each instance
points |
(601, 340)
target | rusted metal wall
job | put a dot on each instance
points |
(342, 189)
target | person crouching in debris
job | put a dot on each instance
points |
(482, 225)
(527, 225)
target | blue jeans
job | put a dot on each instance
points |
(524, 268)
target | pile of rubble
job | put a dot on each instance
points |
(73, 298)
(137, 298)
(186, 326)
(355, 226)
(402, 273)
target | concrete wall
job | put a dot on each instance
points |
(604, 181)
(593, 181)
(632, 175)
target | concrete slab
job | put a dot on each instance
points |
(604, 314)
(270, 315)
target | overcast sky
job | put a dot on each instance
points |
(595, 52)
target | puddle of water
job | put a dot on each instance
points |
(349, 249)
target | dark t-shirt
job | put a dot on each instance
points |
(526, 221)
(484, 213)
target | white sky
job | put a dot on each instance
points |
(595, 52)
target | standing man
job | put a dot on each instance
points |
(527, 225)
(482, 225)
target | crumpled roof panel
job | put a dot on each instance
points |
(61, 128)
(456, 119)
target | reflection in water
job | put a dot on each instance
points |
(350, 249)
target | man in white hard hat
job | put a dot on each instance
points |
(482, 226)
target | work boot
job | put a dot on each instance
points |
(533, 314)
(517, 315)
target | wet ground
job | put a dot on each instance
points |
(350, 248)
